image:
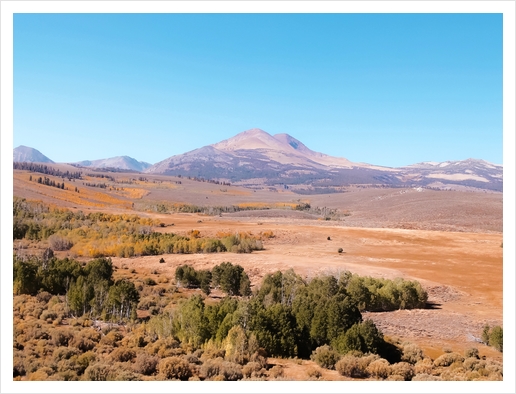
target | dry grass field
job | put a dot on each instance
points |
(449, 241)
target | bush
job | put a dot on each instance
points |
(210, 367)
(251, 369)
(174, 368)
(64, 353)
(145, 364)
(276, 372)
(149, 282)
(313, 373)
(97, 372)
(352, 367)
(61, 337)
(325, 357)
(411, 353)
(340, 250)
(123, 354)
(424, 366)
(403, 369)
(58, 242)
(447, 359)
(425, 377)
(471, 363)
(471, 352)
(379, 369)
(496, 338)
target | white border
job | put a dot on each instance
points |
(8, 8)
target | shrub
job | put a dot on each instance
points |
(276, 372)
(161, 260)
(379, 369)
(496, 338)
(111, 338)
(61, 337)
(411, 353)
(210, 367)
(123, 354)
(84, 361)
(260, 357)
(403, 369)
(447, 359)
(145, 364)
(44, 296)
(231, 371)
(325, 357)
(64, 353)
(471, 352)
(471, 363)
(97, 372)
(352, 367)
(425, 377)
(149, 282)
(398, 378)
(424, 366)
(313, 373)
(340, 250)
(251, 369)
(218, 367)
(58, 242)
(174, 368)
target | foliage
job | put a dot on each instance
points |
(377, 294)
(493, 337)
(325, 357)
(99, 234)
(232, 279)
(174, 368)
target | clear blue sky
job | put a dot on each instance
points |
(386, 89)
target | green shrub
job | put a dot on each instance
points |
(325, 357)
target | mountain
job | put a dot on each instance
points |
(470, 172)
(31, 155)
(280, 159)
(255, 156)
(119, 162)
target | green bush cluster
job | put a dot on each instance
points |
(88, 290)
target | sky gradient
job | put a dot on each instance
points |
(386, 89)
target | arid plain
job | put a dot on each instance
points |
(450, 241)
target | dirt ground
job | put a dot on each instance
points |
(462, 272)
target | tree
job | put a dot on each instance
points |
(25, 280)
(122, 299)
(229, 277)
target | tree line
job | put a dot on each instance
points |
(44, 169)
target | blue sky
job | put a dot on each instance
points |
(386, 89)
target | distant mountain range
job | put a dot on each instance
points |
(119, 162)
(256, 157)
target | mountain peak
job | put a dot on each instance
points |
(249, 139)
(28, 154)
